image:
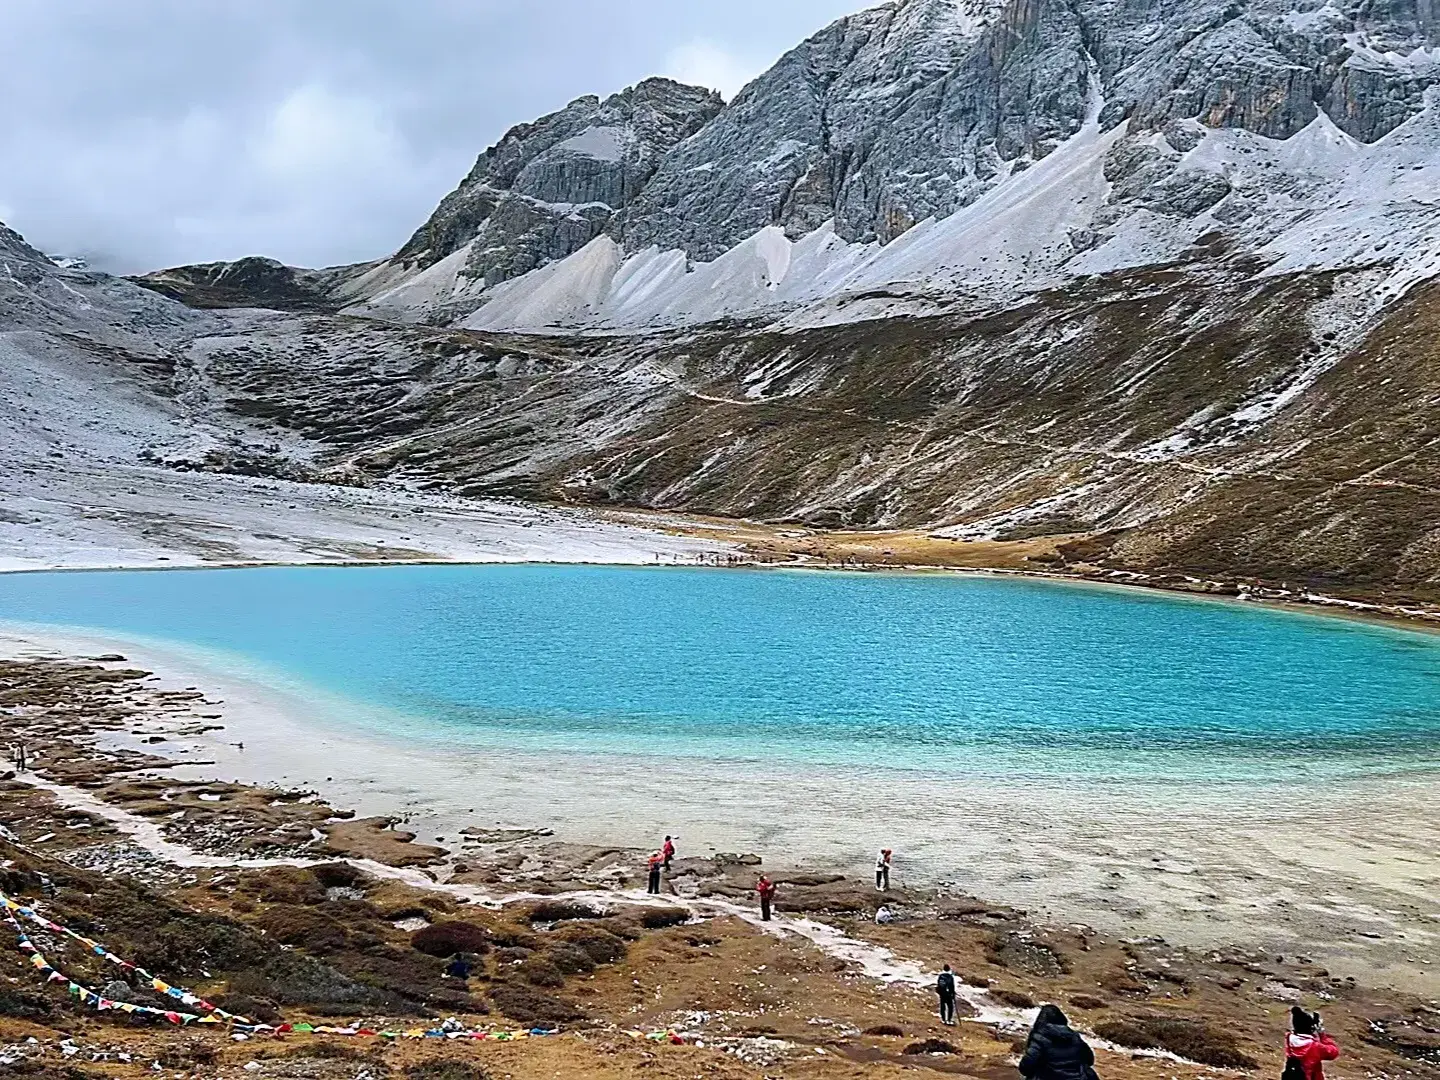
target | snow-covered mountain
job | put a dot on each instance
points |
(928, 154)
(1151, 279)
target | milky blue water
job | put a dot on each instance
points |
(970, 675)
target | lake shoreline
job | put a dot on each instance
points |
(1319, 605)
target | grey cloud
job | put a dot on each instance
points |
(159, 132)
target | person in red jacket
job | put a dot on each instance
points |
(766, 888)
(669, 852)
(1308, 1045)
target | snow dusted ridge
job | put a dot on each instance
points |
(1318, 200)
(113, 439)
(929, 153)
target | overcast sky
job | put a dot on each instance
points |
(149, 133)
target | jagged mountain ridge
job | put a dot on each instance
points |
(658, 207)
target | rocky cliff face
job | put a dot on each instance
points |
(912, 110)
(903, 116)
(900, 113)
(548, 188)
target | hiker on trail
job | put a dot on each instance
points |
(1054, 1051)
(945, 988)
(459, 968)
(882, 870)
(656, 861)
(766, 888)
(1307, 1047)
(669, 852)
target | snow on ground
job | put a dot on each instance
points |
(84, 515)
(82, 416)
(75, 493)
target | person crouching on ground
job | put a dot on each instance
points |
(882, 870)
(766, 888)
(656, 861)
(1054, 1051)
(459, 968)
(945, 988)
(1307, 1047)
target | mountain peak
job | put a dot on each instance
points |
(901, 126)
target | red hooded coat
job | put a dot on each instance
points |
(1312, 1051)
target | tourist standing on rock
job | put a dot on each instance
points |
(882, 870)
(1307, 1047)
(656, 861)
(1054, 1051)
(766, 888)
(669, 852)
(945, 988)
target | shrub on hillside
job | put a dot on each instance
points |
(552, 911)
(600, 945)
(929, 1046)
(1194, 1040)
(570, 959)
(188, 1054)
(23, 1006)
(527, 1005)
(541, 971)
(289, 885)
(304, 928)
(623, 927)
(659, 918)
(1014, 998)
(338, 876)
(446, 1069)
(514, 937)
(444, 939)
(260, 1009)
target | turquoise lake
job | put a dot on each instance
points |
(954, 674)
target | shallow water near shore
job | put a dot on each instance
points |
(967, 677)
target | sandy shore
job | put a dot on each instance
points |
(1346, 873)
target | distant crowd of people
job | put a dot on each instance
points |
(661, 861)
(1053, 1049)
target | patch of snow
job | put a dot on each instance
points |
(565, 293)
(600, 143)
(1307, 22)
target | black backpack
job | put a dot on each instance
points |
(1293, 1070)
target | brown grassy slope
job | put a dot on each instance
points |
(1044, 417)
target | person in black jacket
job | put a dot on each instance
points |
(1054, 1051)
(945, 988)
